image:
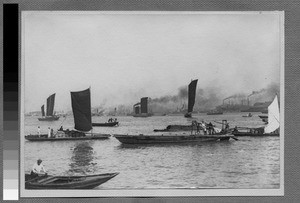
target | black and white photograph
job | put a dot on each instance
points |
(152, 103)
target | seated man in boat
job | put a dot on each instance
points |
(61, 128)
(38, 169)
(235, 130)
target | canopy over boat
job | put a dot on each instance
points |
(273, 116)
(81, 106)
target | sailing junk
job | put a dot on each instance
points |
(191, 98)
(81, 106)
(141, 109)
(50, 109)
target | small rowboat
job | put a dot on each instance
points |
(67, 182)
(109, 124)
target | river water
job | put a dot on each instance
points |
(250, 162)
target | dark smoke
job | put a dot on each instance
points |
(206, 99)
(183, 92)
(266, 94)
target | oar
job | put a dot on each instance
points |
(60, 125)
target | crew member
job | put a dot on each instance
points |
(49, 132)
(52, 135)
(38, 169)
(210, 128)
(203, 127)
(39, 131)
(227, 127)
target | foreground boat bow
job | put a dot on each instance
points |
(67, 182)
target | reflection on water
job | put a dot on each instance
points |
(82, 157)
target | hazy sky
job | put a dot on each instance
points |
(124, 57)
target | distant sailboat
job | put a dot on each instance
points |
(271, 129)
(81, 106)
(273, 117)
(50, 109)
(141, 109)
(191, 98)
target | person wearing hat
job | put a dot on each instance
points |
(38, 169)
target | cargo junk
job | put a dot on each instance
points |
(81, 106)
(191, 98)
(50, 109)
(141, 109)
(186, 134)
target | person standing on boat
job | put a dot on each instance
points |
(38, 169)
(210, 128)
(39, 131)
(203, 127)
(49, 132)
(52, 134)
(226, 127)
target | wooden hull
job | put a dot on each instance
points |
(240, 134)
(49, 118)
(67, 182)
(111, 124)
(215, 113)
(164, 139)
(37, 138)
(188, 115)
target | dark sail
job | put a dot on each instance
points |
(136, 108)
(43, 110)
(81, 105)
(192, 95)
(144, 105)
(50, 105)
